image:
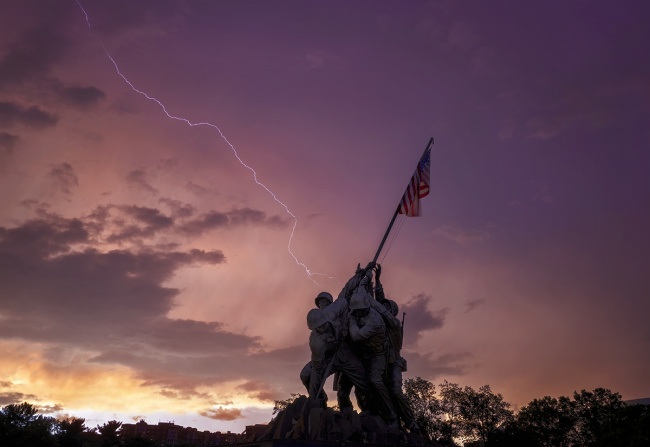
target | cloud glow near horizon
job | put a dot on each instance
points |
(138, 255)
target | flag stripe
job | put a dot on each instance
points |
(417, 188)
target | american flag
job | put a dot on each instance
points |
(418, 187)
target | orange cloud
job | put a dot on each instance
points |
(222, 414)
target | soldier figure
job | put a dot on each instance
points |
(396, 363)
(368, 333)
(322, 300)
(330, 351)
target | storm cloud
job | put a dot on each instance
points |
(420, 318)
(31, 116)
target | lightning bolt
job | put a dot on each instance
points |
(310, 274)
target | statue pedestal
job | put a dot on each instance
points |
(306, 423)
(304, 443)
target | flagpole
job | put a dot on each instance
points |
(390, 225)
(392, 221)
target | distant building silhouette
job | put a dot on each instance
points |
(170, 434)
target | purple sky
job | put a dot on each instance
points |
(145, 271)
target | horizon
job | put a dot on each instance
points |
(144, 418)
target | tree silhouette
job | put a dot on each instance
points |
(109, 433)
(421, 395)
(549, 422)
(631, 428)
(21, 425)
(280, 405)
(482, 413)
(451, 400)
(595, 410)
(71, 431)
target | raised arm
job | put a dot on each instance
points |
(354, 282)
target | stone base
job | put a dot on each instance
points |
(304, 443)
(306, 423)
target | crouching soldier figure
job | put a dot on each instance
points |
(368, 334)
(396, 363)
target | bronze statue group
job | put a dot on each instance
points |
(358, 339)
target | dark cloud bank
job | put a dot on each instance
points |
(63, 286)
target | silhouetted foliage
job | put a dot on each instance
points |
(630, 428)
(451, 399)
(421, 395)
(482, 413)
(549, 422)
(71, 432)
(595, 410)
(459, 413)
(21, 425)
(109, 433)
(597, 418)
(280, 405)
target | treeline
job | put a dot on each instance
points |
(597, 418)
(21, 425)
(451, 415)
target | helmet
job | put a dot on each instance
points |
(315, 319)
(324, 296)
(359, 300)
(393, 307)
